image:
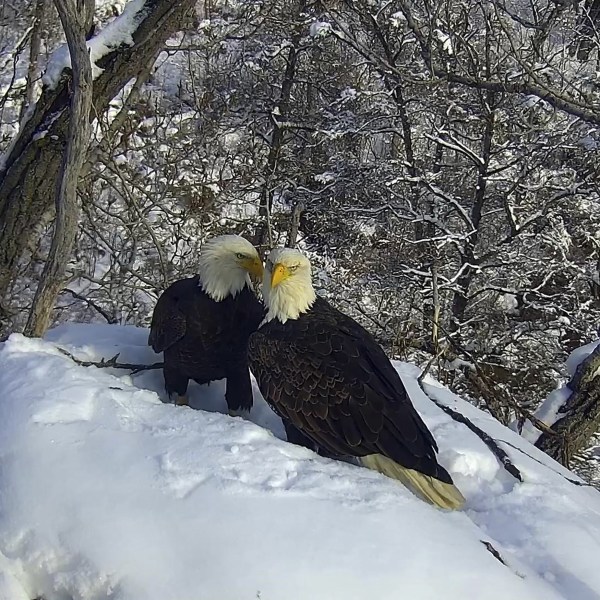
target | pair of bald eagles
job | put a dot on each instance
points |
(323, 374)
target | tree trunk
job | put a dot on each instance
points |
(75, 25)
(460, 300)
(29, 175)
(295, 225)
(580, 418)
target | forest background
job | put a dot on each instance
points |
(437, 160)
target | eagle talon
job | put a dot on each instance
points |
(182, 400)
(244, 413)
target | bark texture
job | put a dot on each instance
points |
(75, 24)
(580, 415)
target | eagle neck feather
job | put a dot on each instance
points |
(290, 299)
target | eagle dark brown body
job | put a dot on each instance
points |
(205, 340)
(328, 376)
(325, 375)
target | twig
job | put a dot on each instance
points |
(112, 363)
(365, 314)
(493, 551)
(428, 367)
(573, 481)
(110, 319)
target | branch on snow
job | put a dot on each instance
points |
(112, 363)
(492, 443)
(500, 454)
(586, 375)
(493, 551)
(573, 481)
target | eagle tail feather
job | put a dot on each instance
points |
(430, 489)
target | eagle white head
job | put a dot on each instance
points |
(287, 286)
(226, 262)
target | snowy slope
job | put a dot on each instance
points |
(106, 492)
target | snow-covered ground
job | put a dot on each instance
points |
(105, 492)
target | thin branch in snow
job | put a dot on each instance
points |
(487, 439)
(493, 551)
(573, 481)
(112, 363)
(500, 454)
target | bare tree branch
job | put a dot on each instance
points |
(109, 318)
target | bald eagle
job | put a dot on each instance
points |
(326, 375)
(202, 323)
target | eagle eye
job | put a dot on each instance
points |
(293, 268)
(239, 255)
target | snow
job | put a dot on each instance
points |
(398, 19)
(108, 492)
(319, 28)
(579, 355)
(444, 38)
(507, 302)
(324, 178)
(549, 410)
(115, 34)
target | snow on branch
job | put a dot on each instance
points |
(572, 413)
(117, 33)
(452, 143)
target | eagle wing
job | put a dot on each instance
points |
(168, 323)
(185, 311)
(330, 378)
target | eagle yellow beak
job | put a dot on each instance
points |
(254, 266)
(279, 273)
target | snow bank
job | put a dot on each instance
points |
(108, 493)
